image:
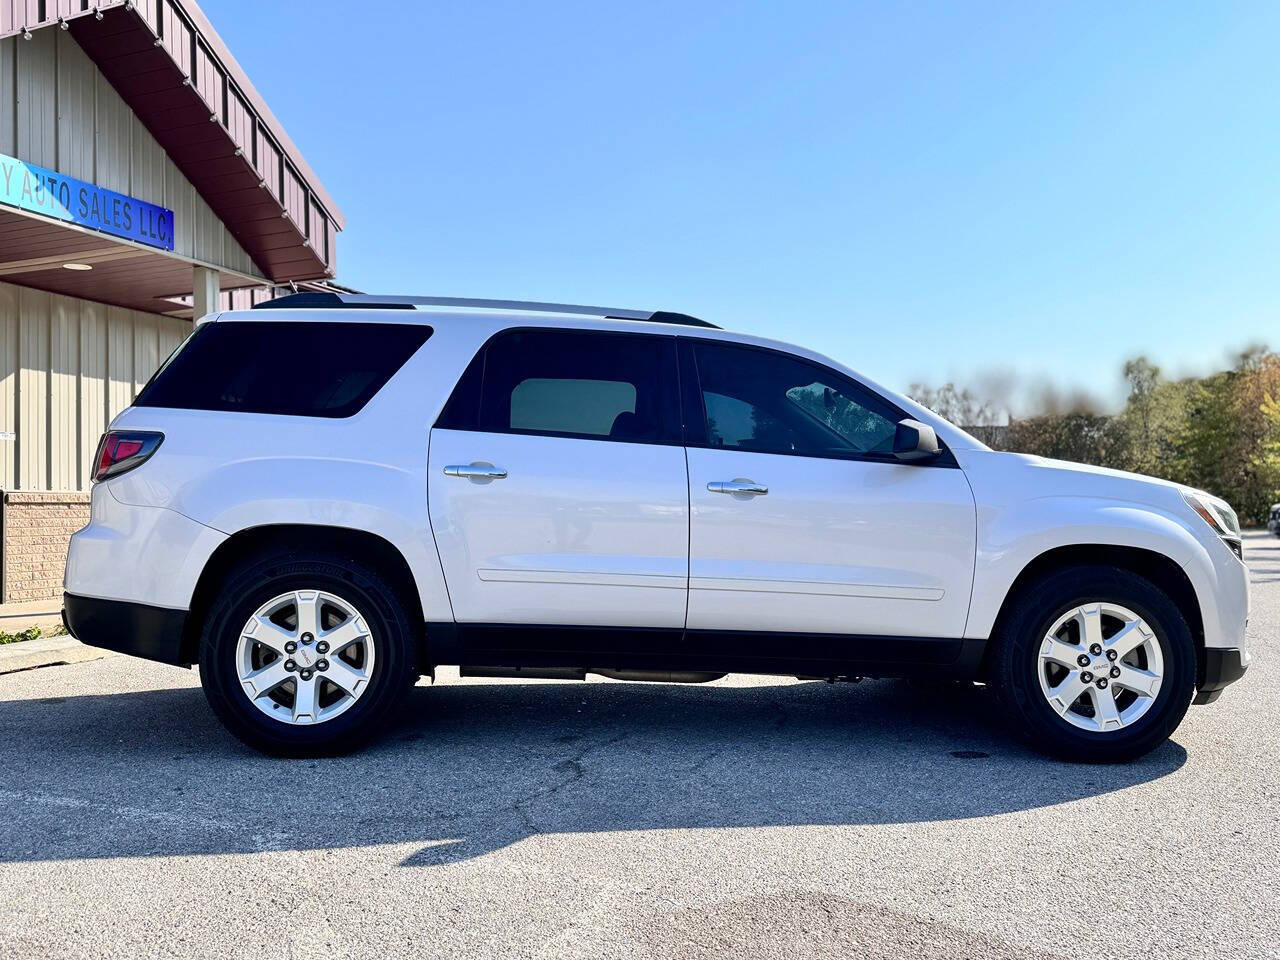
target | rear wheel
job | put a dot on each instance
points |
(303, 654)
(1095, 664)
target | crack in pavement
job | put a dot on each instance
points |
(481, 837)
(571, 765)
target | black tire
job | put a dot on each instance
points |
(254, 583)
(1016, 662)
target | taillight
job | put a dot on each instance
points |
(122, 450)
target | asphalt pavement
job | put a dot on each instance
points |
(754, 817)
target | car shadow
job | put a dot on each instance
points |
(471, 768)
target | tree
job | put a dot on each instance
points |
(1258, 429)
(982, 418)
(1268, 458)
(1217, 432)
(1081, 437)
(1143, 378)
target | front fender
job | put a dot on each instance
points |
(1011, 537)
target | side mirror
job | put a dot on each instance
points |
(914, 441)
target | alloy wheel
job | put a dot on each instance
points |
(1100, 667)
(305, 657)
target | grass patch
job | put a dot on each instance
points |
(31, 633)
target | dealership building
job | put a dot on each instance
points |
(143, 182)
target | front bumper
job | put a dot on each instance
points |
(154, 633)
(1221, 669)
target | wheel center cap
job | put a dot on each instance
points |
(1101, 666)
(306, 657)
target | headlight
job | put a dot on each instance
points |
(1218, 515)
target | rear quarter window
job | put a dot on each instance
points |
(283, 367)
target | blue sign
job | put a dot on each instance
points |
(40, 190)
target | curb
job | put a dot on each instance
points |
(46, 652)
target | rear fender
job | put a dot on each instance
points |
(376, 498)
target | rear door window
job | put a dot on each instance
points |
(571, 383)
(283, 367)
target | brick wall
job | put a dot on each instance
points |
(37, 526)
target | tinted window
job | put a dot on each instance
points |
(571, 383)
(770, 403)
(571, 406)
(300, 369)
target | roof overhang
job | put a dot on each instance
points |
(34, 249)
(176, 74)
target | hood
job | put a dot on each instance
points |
(1007, 476)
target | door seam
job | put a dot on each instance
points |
(431, 527)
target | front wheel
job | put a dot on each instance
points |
(1095, 664)
(303, 655)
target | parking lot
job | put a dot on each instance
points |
(754, 817)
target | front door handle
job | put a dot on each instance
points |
(739, 486)
(475, 471)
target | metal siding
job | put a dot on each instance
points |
(182, 29)
(66, 367)
(69, 117)
(209, 81)
(177, 197)
(208, 235)
(240, 124)
(235, 257)
(146, 166)
(37, 90)
(8, 382)
(239, 259)
(121, 47)
(77, 106)
(64, 401)
(113, 132)
(269, 163)
(33, 390)
(176, 36)
(317, 228)
(146, 348)
(15, 14)
(119, 360)
(173, 330)
(8, 95)
(20, 13)
(171, 333)
(148, 9)
(295, 198)
(92, 385)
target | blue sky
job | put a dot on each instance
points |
(925, 191)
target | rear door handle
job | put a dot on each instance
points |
(475, 471)
(739, 486)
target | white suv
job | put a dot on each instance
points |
(322, 501)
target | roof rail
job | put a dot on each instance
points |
(313, 299)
